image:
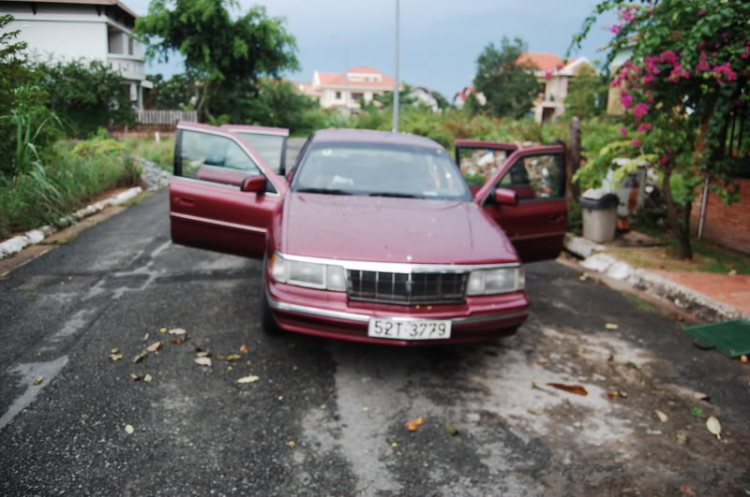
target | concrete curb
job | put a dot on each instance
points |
(17, 243)
(594, 258)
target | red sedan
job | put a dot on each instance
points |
(374, 236)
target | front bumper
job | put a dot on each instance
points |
(332, 315)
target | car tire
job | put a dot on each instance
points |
(267, 320)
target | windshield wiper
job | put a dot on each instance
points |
(323, 190)
(392, 194)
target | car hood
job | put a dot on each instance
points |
(383, 229)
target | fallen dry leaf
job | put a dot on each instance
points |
(450, 429)
(202, 354)
(411, 426)
(154, 347)
(244, 349)
(233, 357)
(179, 339)
(135, 377)
(662, 417)
(702, 396)
(681, 438)
(115, 357)
(148, 378)
(145, 337)
(248, 379)
(533, 411)
(714, 427)
(162, 330)
(576, 389)
(542, 360)
(733, 272)
(140, 357)
(419, 420)
(687, 490)
(394, 444)
(38, 380)
(177, 331)
(291, 443)
(744, 359)
(129, 429)
(115, 350)
(611, 326)
(203, 361)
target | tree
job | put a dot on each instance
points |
(404, 97)
(443, 103)
(510, 88)
(88, 95)
(277, 103)
(177, 92)
(224, 52)
(685, 81)
(587, 94)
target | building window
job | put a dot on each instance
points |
(356, 97)
(131, 46)
(542, 90)
(338, 95)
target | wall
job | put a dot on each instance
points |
(74, 39)
(727, 225)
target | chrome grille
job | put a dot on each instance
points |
(406, 288)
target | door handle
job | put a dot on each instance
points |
(187, 202)
(554, 219)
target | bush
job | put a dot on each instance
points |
(162, 153)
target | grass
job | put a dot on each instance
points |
(60, 182)
(161, 153)
(640, 303)
(707, 258)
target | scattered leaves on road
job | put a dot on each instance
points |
(542, 360)
(145, 337)
(634, 365)
(576, 389)
(248, 379)
(38, 380)
(135, 377)
(702, 396)
(115, 357)
(687, 490)
(162, 330)
(203, 361)
(148, 378)
(413, 425)
(291, 443)
(154, 347)
(234, 357)
(129, 429)
(450, 429)
(617, 393)
(697, 412)
(662, 417)
(714, 427)
(744, 359)
(176, 331)
(115, 350)
(681, 437)
(533, 411)
(611, 326)
(140, 357)
(244, 349)
(202, 353)
(394, 444)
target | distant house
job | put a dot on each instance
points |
(344, 90)
(83, 29)
(459, 99)
(424, 97)
(553, 75)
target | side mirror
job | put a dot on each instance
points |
(503, 196)
(254, 184)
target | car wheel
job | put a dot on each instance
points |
(267, 321)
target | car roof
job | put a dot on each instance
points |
(332, 135)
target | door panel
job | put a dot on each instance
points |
(536, 226)
(207, 208)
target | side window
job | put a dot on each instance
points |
(536, 177)
(479, 164)
(202, 152)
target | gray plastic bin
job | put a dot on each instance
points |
(599, 215)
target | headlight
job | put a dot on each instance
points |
(493, 281)
(308, 274)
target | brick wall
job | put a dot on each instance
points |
(727, 225)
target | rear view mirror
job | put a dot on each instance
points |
(503, 196)
(254, 184)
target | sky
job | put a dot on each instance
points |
(440, 39)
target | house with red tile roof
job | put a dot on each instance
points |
(554, 75)
(344, 90)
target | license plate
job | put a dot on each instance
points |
(411, 329)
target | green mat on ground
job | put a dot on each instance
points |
(731, 338)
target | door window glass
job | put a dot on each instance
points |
(201, 152)
(479, 164)
(270, 147)
(536, 177)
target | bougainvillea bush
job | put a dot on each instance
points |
(685, 80)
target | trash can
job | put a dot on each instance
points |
(599, 215)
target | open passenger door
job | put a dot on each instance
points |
(270, 143)
(526, 198)
(222, 196)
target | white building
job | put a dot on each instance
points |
(344, 90)
(83, 29)
(424, 96)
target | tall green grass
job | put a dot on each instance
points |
(58, 183)
(161, 153)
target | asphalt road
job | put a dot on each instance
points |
(327, 417)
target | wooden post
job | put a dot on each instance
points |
(573, 159)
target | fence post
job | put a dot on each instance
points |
(573, 160)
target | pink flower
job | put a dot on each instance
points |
(664, 159)
(701, 12)
(548, 73)
(641, 109)
(644, 127)
(616, 28)
(626, 100)
(624, 131)
(725, 69)
(636, 142)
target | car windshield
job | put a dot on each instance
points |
(387, 170)
(270, 147)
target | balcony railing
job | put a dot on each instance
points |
(128, 66)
